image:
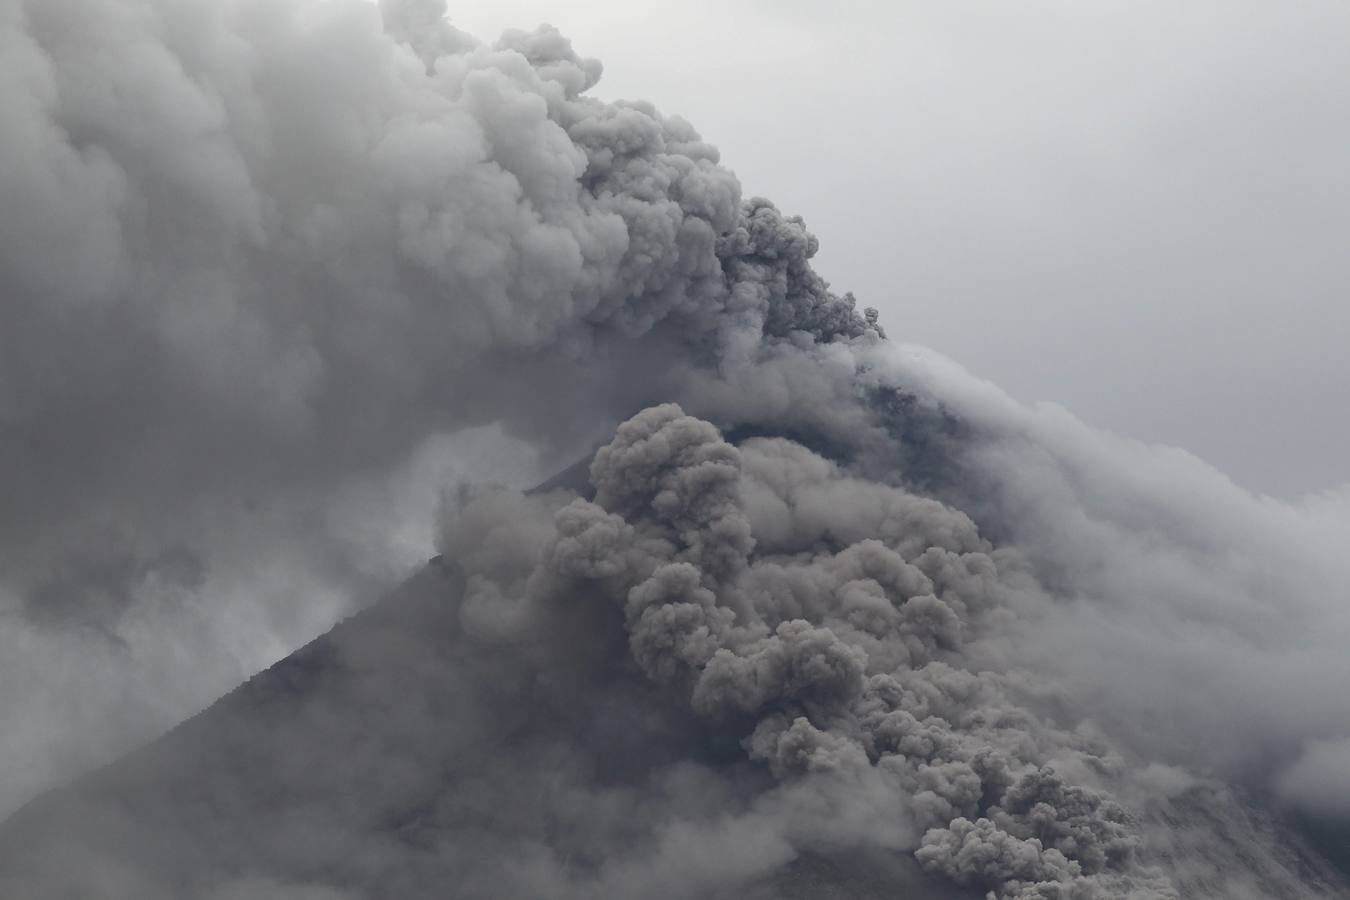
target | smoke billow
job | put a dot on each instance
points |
(825, 614)
(274, 272)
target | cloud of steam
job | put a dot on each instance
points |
(1195, 609)
(286, 269)
(1319, 781)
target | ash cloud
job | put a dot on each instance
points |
(270, 258)
(828, 613)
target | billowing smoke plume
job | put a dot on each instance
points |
(286, 270)
(260, 262)
(818, 616)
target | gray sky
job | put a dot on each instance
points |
(1136, 209)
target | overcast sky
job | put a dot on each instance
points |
(1139, 210)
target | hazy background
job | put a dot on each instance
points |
(1138, 210)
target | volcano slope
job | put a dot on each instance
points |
(718, 671)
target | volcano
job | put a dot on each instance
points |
(422, 748)
(355, 768)
(823, 615)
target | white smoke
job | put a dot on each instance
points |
(1196, 608)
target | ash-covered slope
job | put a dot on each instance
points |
(724, 671)
(393, 758)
